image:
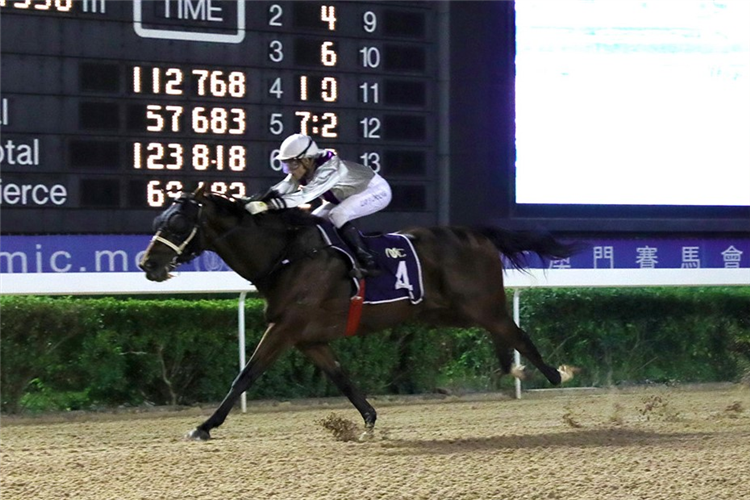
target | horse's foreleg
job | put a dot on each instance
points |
(267, 351)
(323, 357)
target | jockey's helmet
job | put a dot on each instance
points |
(297, 146)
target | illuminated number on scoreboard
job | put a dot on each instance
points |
(328, 15)
(156, 117)
(328, 88)
(156, 154)
(237, 189)
(328, 56)
(171, 81)
(58, 5)
(219, 120)
(325, 125)
(204, 158)
(217, 85)
(203, 120)
(171, 156)
(159, 192)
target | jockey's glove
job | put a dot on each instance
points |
(256, 207)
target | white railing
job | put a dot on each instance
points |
(230, 282)
(616, 278)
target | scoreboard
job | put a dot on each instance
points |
(109, 109)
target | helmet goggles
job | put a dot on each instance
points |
(290, 164)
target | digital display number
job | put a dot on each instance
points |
(322, 89)
(40, 5)
(173, 81)
(159, 193)
(203, 120)
(200, 157)
(324, 125)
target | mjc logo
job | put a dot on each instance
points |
(395, 253)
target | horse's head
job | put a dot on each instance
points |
(176, 240)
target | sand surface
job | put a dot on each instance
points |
(640, 443)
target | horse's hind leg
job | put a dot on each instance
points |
(323, 357)
(506, 335)
(504, 354)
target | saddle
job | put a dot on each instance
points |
(402, 273)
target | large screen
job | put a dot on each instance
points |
(109, 108)
(633, 102)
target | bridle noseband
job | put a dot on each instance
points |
(177, 249)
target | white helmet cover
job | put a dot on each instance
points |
(297, 146)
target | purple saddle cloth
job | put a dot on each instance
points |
(402, 273)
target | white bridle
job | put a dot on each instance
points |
(178, 249)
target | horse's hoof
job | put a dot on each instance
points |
(567, 372)
(368, 435)
(519, 372)
(198, 435)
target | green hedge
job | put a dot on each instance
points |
(83, 353)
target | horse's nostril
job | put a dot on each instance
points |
(146, 265)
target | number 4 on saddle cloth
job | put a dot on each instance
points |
(402, 274)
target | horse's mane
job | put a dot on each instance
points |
(292, 216)
(295, 217)
(226, 205)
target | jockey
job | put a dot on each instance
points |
(347, 190)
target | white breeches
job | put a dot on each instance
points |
(376, 197)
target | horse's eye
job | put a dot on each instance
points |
(178, 224)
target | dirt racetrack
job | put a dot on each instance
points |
(640, 443)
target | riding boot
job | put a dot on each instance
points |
(367, 263)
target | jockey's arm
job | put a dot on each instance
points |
(326, 177)
(287, 185)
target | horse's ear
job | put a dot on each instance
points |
(200, 191)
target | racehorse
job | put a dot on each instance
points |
(308, 288)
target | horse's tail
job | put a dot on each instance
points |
(517, 245)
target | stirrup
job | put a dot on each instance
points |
(359, 271)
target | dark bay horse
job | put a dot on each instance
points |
(307, 285)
